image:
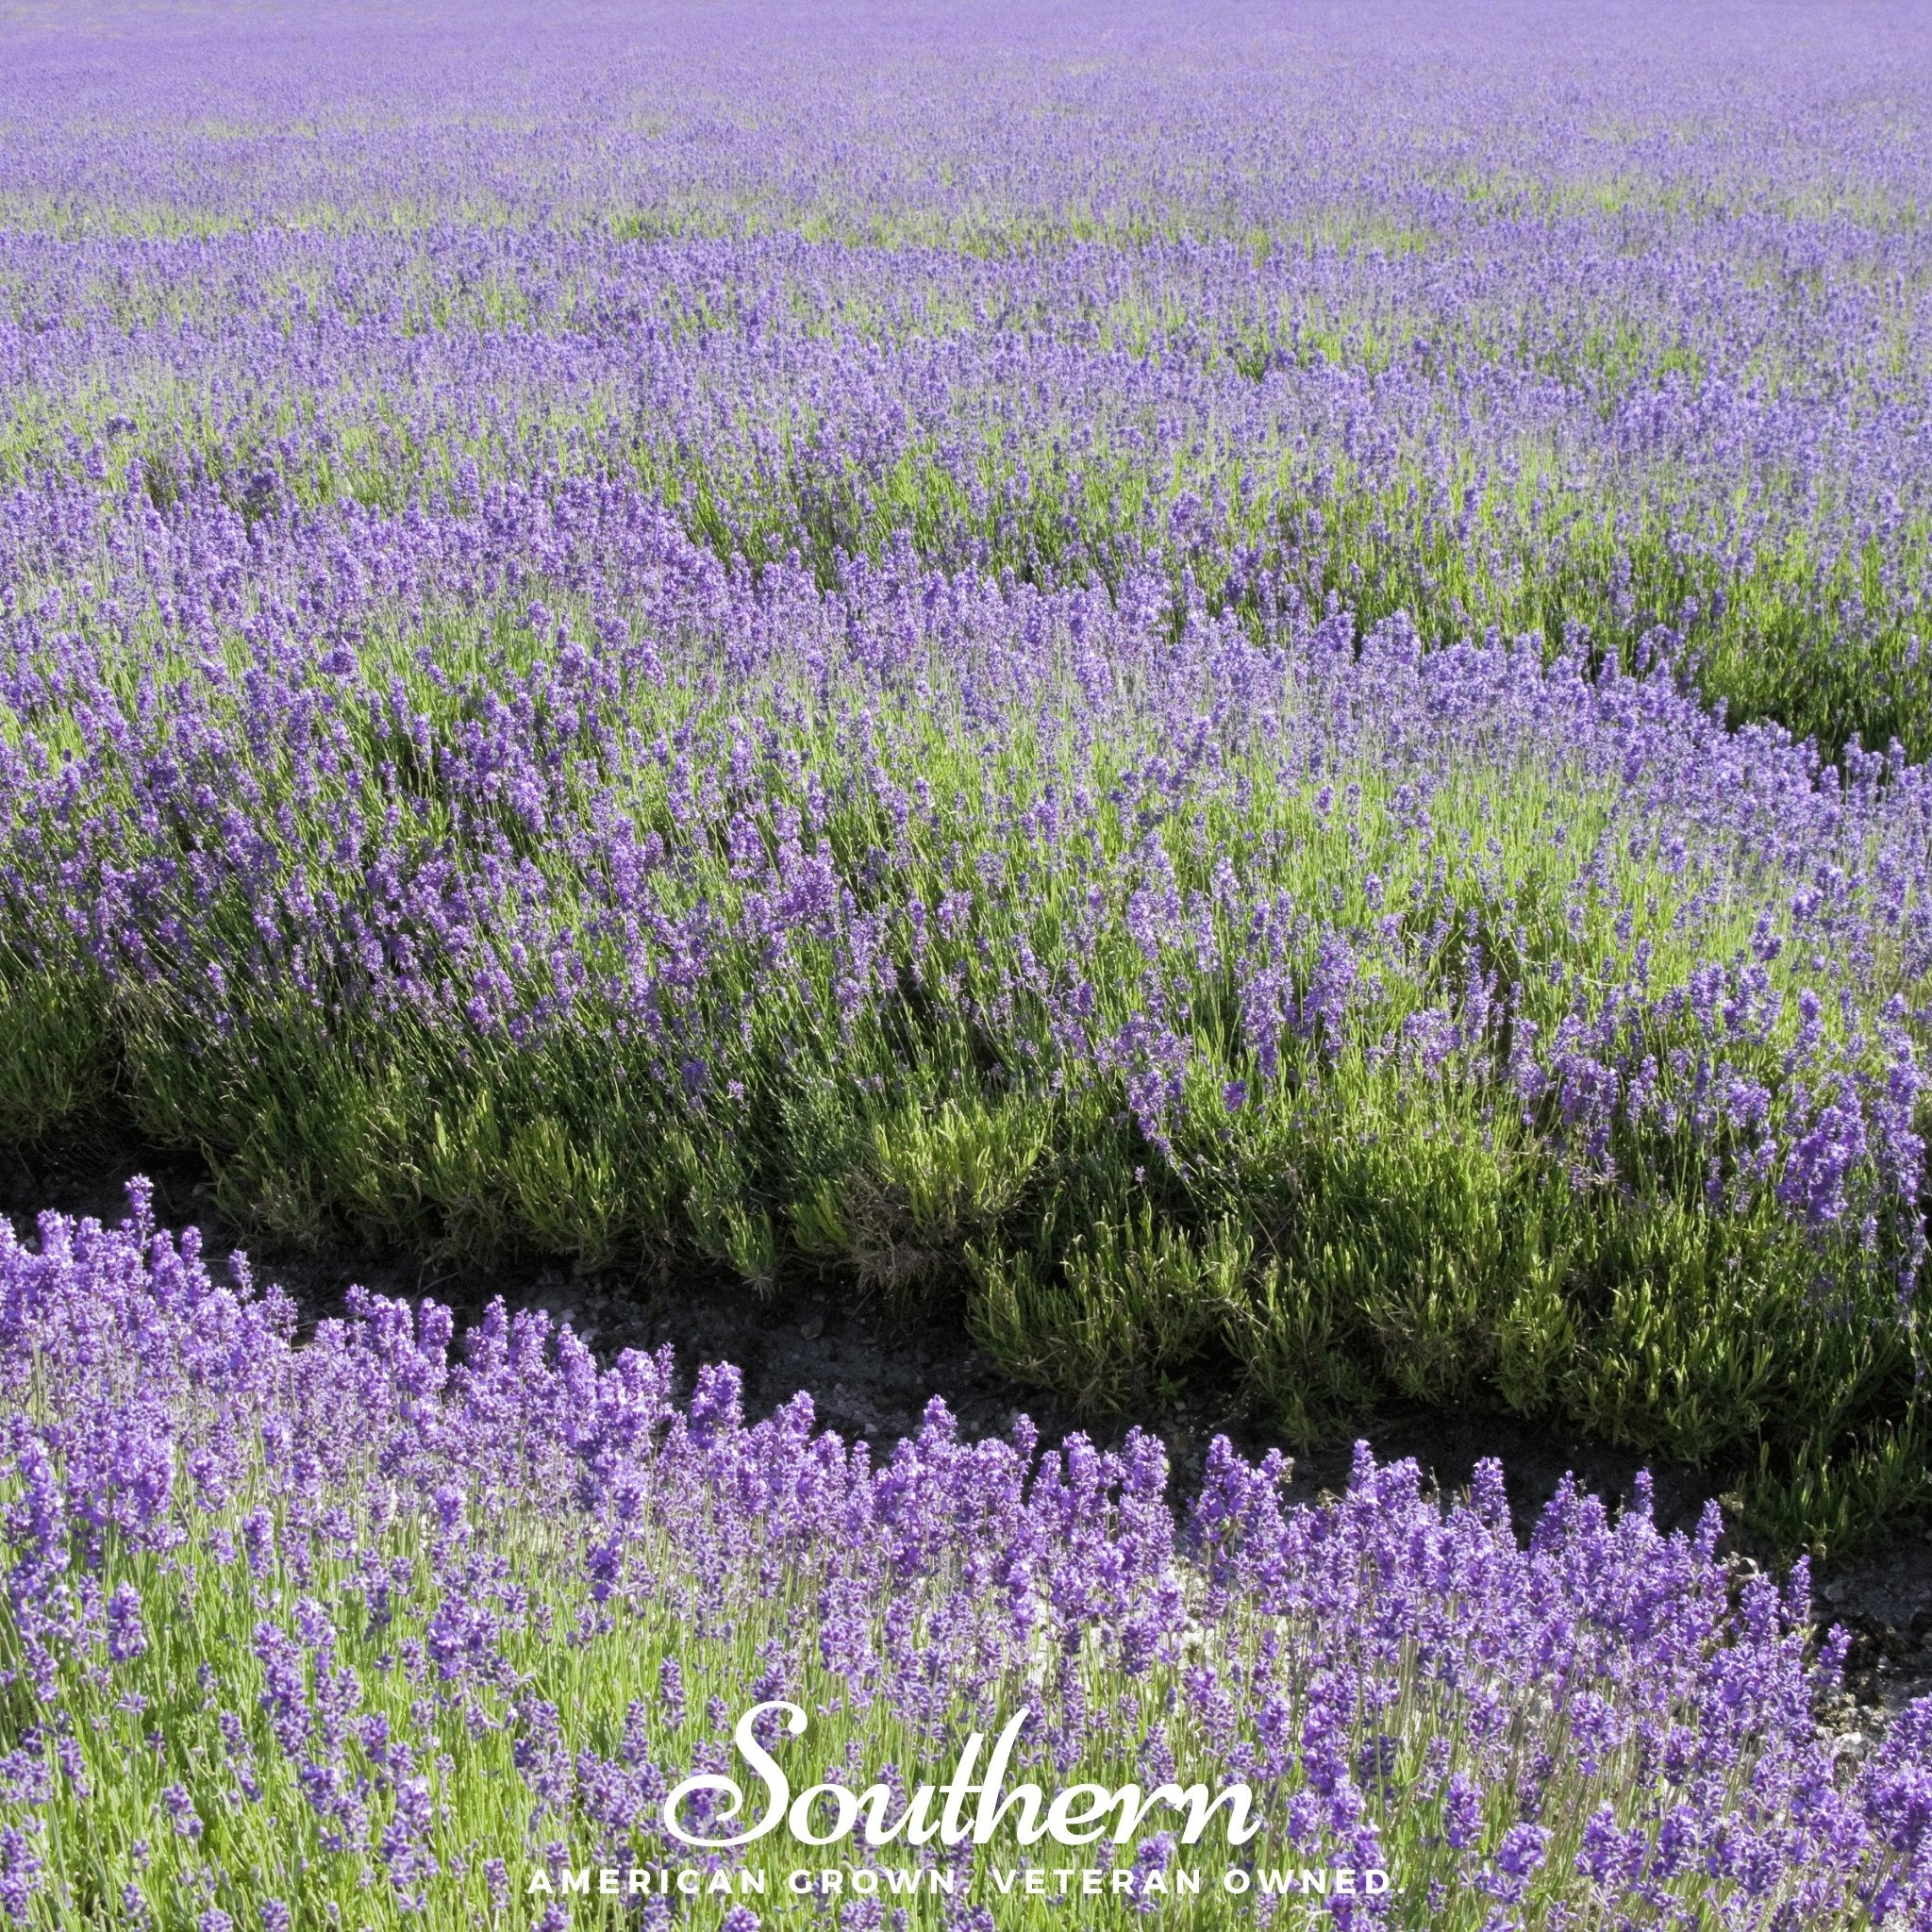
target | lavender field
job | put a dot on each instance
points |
(346, 1634)
(1240, 698)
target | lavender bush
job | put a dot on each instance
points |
(1184, 987)
(353, 1631)
(1247, 691)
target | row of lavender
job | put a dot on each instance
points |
(356, 1633)
(1187, 987)
(1462, 446)
(1613, 336)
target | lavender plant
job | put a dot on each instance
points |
(361, 1628)
(1247, 690)
(1183, 989)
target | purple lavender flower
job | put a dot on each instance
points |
(22, 1869)
(1151, 1860)
(1462, 1818)
(126, 1633)
(179, 1805)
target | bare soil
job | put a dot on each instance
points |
(871, 1368)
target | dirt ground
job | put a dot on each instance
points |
(870, 1372)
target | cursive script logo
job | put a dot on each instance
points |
(827, 1814)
